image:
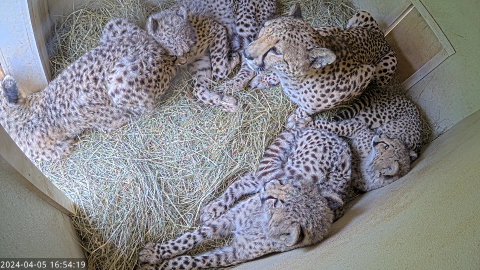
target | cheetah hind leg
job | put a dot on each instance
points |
(201, 70)
(385, 69)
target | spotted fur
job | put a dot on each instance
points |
(124, 76)
(242, 19)
(385, 131)
(296, 193)
(207, 60)
(324, 67)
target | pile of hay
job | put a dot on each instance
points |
(149, 180)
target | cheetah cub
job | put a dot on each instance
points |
(385, 131)
(296, 193)
(321, 68)
(215, 24)
(207, 60)
(243, 20)
(124, 76)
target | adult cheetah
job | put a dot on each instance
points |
(321, 68)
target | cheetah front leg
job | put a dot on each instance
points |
(202, 72)
(220, 257)
(156, 253)
(240, 80)
(246, 184)
(221, 65)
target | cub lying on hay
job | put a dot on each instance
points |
(298, 191)
(220, 27)
(124, 76)
(207, 60)
(385, 131)
(321, 68)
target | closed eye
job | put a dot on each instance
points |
(269, 198)
(376, 143)
(275, 51)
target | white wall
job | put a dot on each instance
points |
(30, 227)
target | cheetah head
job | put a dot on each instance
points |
(298, 213)
(172, 29)
(389, 158)
(288, 46)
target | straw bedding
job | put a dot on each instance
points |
(149, 180)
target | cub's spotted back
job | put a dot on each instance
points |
(385, 131)
(124, 76)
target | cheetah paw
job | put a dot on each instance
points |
(298, 119)
(228, 104)
(229, 86)
(264, 81)
(148, 254)
(259, 83)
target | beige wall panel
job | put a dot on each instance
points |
(452, 90)
(414, 43)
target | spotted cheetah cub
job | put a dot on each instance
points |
(321, 68)
(243, 20)
(207, 60)
(385, 131)
(216, 23)
(296, 193)
(124, 76)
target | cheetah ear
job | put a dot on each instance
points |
(413, 155)
(152, 25)
(320, 57)
(182, 12)
(292, 236)
(392, 170)
(10, 89)
(333, 200)
(296, 11)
